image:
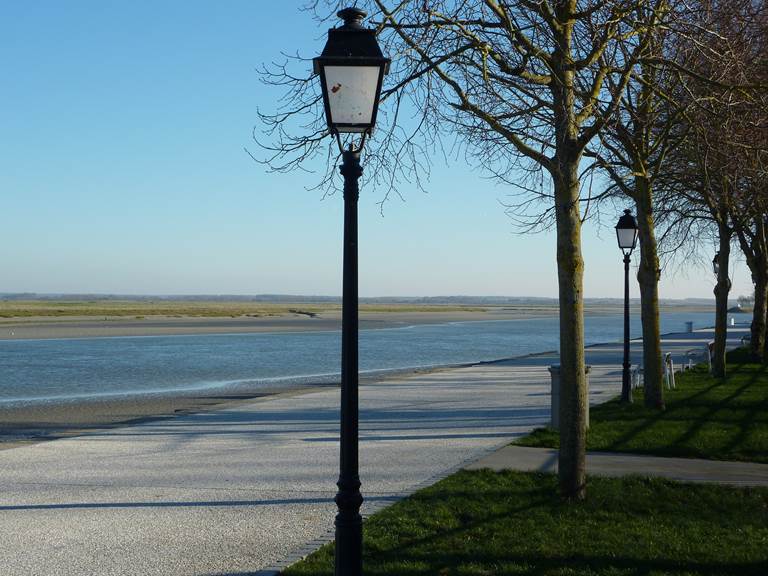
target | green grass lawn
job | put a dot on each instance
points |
(483, 523)
(706, 417)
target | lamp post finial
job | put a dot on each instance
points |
(353, 17)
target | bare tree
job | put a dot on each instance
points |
(700, 185)
(631, 150)
(753, 241)
(749, 215)
(711, 173)
(693, 63)
(524, 86)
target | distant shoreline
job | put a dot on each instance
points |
(88, 327)
(279, 319)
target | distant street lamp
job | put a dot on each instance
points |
(351, 69)
(626, 234)
(716, 270)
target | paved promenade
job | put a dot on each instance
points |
(526, 459)
(236, 491)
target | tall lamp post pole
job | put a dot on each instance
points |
(349, 523)
(626, 234)
(351, 69)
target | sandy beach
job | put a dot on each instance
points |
(90, 327)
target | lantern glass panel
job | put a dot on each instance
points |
(351, 96)
(627, 237)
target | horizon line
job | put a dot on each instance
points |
(112, 295)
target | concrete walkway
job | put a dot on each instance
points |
(243, 490)
(612, 464)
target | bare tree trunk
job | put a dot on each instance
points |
(753, 246)
(648, 277)
(572, 459)
(573, 384)
(758, 329)
(722, 289)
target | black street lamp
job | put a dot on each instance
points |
(351, 68)
(626, 234)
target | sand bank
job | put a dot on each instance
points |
(89, 327)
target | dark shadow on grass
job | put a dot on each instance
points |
(747, 425)
(707, 417)
(434, 550)
(657, 416)
(531, 505)
(537, 565)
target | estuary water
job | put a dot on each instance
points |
(33, 371)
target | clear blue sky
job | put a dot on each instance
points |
(122, 170)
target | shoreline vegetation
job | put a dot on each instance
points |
(42, 319)
(15, 309)
(234, 307)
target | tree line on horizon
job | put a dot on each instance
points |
(579, 107)
(743, 301)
